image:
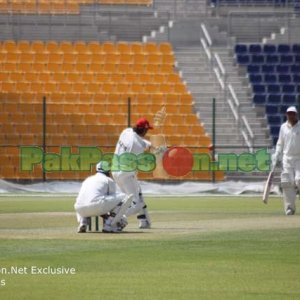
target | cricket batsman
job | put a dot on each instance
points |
(132, 140)
(98, 197)
(288, 146)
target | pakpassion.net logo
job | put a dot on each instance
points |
(176, 161)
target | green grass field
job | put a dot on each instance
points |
(198, 248)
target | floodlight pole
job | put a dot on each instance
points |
(129, 112)
(44, 135)
(213, 137)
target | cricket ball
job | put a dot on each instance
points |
(178, 161)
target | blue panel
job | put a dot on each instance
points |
(283, 48)
(259, 98)
(240, 49)
(269, 49)
(274, 98)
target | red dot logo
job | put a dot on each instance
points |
(178, 161)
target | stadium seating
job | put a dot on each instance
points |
(274, 72)
(58, 6)
(87, 86)
(248, 2)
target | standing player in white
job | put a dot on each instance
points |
(98, 197)
(132, 140)
(288, 146)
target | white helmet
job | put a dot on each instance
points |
(103, 167)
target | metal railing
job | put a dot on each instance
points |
(229, 92)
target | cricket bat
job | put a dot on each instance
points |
(159, 143)
(268, 186)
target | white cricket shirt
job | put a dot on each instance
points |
(129, 141)
(95, 186)
(289, 141)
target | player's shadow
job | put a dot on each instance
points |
(118, 233)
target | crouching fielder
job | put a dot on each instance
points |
(288, 145)
(132, 140)
(97, 197)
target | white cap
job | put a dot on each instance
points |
(292, 109)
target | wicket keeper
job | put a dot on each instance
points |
(98, 197)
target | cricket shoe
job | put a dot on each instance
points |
(144, 224)
(125, 205)
(109, 228)
(123, 222)
(290, 212)
(144, 219)
(81, 228)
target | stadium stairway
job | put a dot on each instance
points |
(243, 91)
(199, 78)
(203, 85)
(224, 8)
(288, 34)
(182, 8)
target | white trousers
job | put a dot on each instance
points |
(290, 180)
(129, 184)
(98, 207)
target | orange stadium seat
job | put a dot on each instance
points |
(87, 77)
(41, 6)
(84, 58)
(123, 47)
(24, 46)
(58, 7)
(58, 76)
(14, 77)
(150, 48)
(136, 48)
(94, 47)
(25, 67)
(55, 57)
(52, 47)
(109, 47)
(12, 57)
(66, 47)
(80, 47)
(22, 86)
(102, 77)
(64, 67)
(165, 48)
(126, 58)
(39, 66)
(69, 57)
(41, 57)
(27, 57)
(80, 87)
(9, 46)
(124, 68)
(73, 77)
(37, 46)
